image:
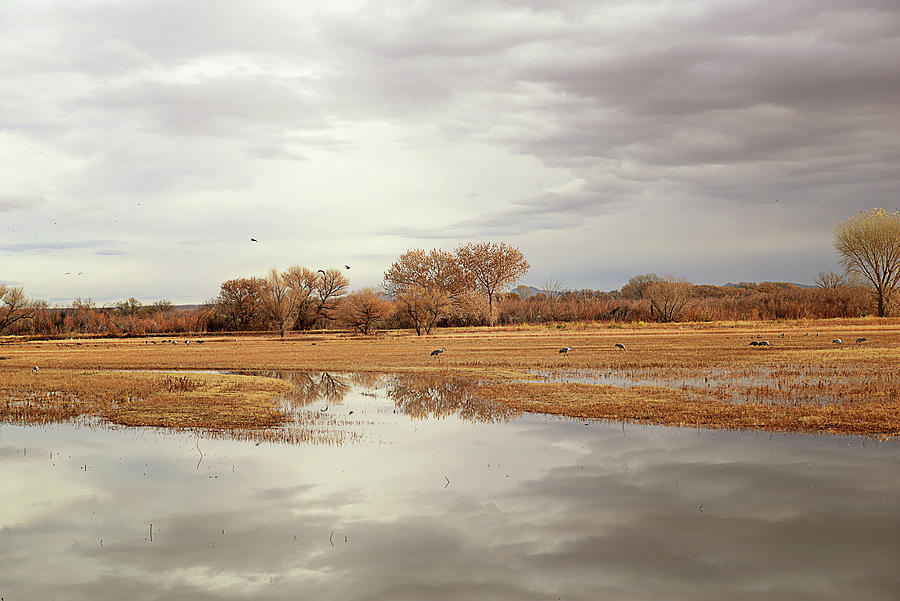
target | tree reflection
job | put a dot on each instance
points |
(421, 397)
(312, 387)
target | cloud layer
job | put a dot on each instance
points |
(721, 141)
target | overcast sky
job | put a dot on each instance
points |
(142, 144)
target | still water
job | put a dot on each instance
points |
(434, 496)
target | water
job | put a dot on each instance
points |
(427, 504)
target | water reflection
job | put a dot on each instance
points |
(315, 395)
(536, 509)
(422, 397)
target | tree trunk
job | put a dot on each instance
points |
(881, 311)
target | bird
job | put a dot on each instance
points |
(34, 369)
(565, 350)
(437, 352)
(347, 266)
(754, 343)
(858, 340)
(764, 343)
(836, 341)
(621, 346)
(253, 240)
(322, 271)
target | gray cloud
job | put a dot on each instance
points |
(60, 245)
(784, 114)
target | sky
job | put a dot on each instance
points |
(142, 144)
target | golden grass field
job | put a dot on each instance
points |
(698, 375)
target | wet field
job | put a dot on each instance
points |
(404, 491)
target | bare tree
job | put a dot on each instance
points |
(278, 300)
(493, 267)
(132, 306)
(303, 282)
(363, 310)
(330, 286)
(669, 297)
(554, 289)
(869, 245)
(238, 303)
(831, 280)
(637, 285)
(423, 307)
(15, 307)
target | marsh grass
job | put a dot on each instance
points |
(702, 375)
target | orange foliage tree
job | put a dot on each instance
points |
(493, 267)
(363, 310)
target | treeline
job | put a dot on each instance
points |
(425, 289)
(671, 300)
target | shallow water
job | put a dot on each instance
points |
(422, 503)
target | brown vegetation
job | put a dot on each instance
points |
(703, 375)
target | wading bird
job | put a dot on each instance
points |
(836, 341)
(858, 340)
(621, 346)
(565, 350)
(437, 352)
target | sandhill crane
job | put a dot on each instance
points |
(437, 352)
(859, 340)
(836, 341)
(565, 350)
(621, 346)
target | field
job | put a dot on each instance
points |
(696, 375)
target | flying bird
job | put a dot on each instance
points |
(253, 240)
(347, 266)
(437, 352)
(621, 346)
(565, 350)
(322, 271)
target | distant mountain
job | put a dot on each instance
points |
(527, 291)
(741, 284)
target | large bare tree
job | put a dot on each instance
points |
(15, 307)
(238, 303)
(869, 245)
(493, 267)
(330, 286)
(669, 297)
(423, 307)
(278, 300)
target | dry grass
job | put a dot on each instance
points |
(683, 374)
(212, 401)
